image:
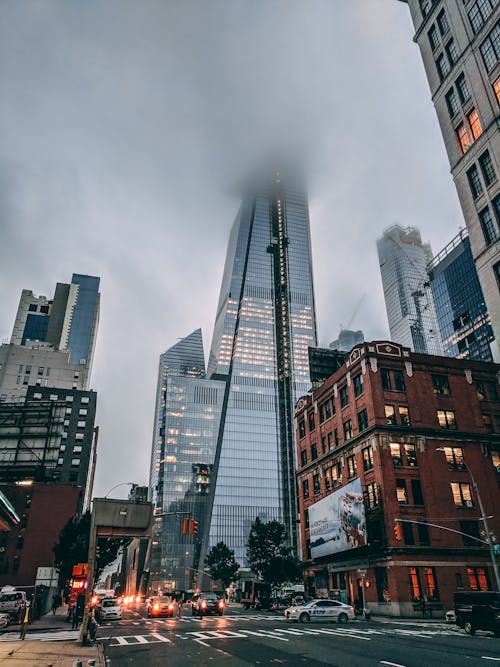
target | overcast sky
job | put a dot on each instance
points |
(124, 127)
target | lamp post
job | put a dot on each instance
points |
(117, 485)
(484, 519)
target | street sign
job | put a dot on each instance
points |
(362, 573)
(496, 548)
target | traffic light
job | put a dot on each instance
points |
(185, 526)
(97, 551)
(194, 527)
(398, 531)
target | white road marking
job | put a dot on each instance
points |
(161, 638)
(489, 657)
(393, 664)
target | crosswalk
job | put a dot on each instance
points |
(128, 640)
(49, 636)
(188, 620)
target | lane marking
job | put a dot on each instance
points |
(161, 637)
(393, 664)
(489, 657)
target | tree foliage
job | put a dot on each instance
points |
(221, 563)
(269, 554)
(73, 548)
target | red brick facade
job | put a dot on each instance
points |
(404, 409)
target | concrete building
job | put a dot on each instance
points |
(464, 322)
(394, 436)
(410, 310)
(460, 47)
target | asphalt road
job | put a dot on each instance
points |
(241, 638)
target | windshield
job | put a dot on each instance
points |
(109, 603)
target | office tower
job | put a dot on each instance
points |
(460, 47)
(187, 418)
(264, 325)
(347, 340)
(53, 340)
(462, 317)
(410, 310)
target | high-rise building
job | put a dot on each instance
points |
(460, 47)
(410, 310)
(461, 312)
(347, 340)
(264, 325)
(187, 419)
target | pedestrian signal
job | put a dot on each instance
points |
(185, 526)
(398, 531)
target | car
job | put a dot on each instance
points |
(11, 602)
(478, 610)
(318, 610)
(207, 603)
(109, 608)
(161, 606)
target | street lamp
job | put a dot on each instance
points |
(117, 485)
(484, 519)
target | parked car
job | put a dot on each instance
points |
(11, 602)
(320, 610)
(161, 606)
(478, 610)
(207, 603)
(108, 608)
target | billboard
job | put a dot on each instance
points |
(338, 522)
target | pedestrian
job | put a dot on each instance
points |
(24, 618)
(55, 604)
(92, 625)
(179, 607)
(74, 617)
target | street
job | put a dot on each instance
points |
(256, 638)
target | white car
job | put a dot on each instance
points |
(317, 610)
(109, 608)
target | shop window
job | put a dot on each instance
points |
(401, 493)
(396, 454)
(478, 580)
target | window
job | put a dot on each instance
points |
(433, 37)
(488, 226)
(452, 102)
(401, 493)
(32, 308)
(336, 436)
(443, 66)
(474, 124)
(408, 536)
(77, 449)
(431, 583)
(367, 456)
(81, 424)
(60, 461)
(302, 429)
(463, 138)
(416, 490)
(414, 584)
(396, 454)
(324, 447)
(399, 381)
(390, 414)
(463, 88)
(330, 440)
(490, 48)
(75, 462)
(26, 379)
(480, 391)
(316, 487)
(305, 488)
(441, 385)
(471, 530)
(496, 88)
(85, 399)
(79, 436)
(321, 413)
(442, 21)
(423, 535)
(83, 412)
(487, 168)
(479, 13)
(446, 419)
(53, 397)
(314, 452)
(478, 581)
(62, 448)
(40, 370)
(488, 423)
(358, 385)
(495, 459)
(312, 422)
(386, 379)
(475, 185)
(69, 399)
(411, 455)
(404, 415)
(328, 411)
(344, 396)
(372, 494)
(454, 458)
(303, 457)
(462, 496)
(452, 52)
(347, 430)
(362, 420)
(351, 466)
(496, 208)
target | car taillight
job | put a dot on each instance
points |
(170, 607)
(156, 606)
(203, 604)
(138, 598)
(221, 604)
(94, 599)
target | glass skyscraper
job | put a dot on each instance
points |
(463, 319)
(264, 325)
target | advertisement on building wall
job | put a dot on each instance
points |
(338, 522)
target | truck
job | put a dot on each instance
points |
(256, 594)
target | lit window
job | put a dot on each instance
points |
(430, 583)
(446, 419)
(404, 415)
(367, 455)
(414, 583)
(454, 458)
(411, 455)
(463, 138)
(372, 494)
(347, 430)
(390, 414)
(351, 466)
(462, 496)
(474, 124)
(478, 580)
(396, 454)
(441, 385)
(496, 88)
(401, 494)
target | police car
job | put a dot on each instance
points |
(320, 610)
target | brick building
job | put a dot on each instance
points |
(398, 435)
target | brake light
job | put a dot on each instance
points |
(204, 604)
(156, 606)
(94, 599)
(221, 604)
(170, 607)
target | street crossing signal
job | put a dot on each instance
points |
(185, 526)
(194, 527)
(398, 531)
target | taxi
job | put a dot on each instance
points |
(320, 610)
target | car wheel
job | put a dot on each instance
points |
(304, 618)
(343, 618)
(469, 628)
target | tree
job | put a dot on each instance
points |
(73, 548)
(269, 554)
(221, 564)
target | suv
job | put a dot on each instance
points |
(478, 610)
(11, 602)
(207, 603)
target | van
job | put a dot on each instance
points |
(11, 602)
(478, 610)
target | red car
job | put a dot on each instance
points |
(161, 606)
(207, 603)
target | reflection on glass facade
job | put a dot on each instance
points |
(84, 320)
(463, 320)
(410, 310)
(187, 418)
(264, 325)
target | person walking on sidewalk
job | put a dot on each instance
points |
(24, 618)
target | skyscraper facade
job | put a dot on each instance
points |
(264, 325)
(463, 320)
(410, 310)
(460, 46)
(187, 419)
